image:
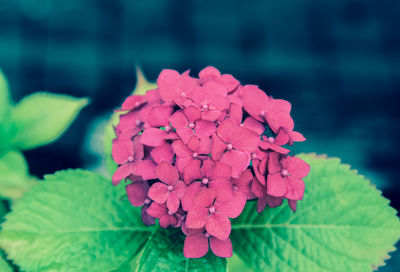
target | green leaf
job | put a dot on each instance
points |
(4, 96)
(41, 118)
(14, 177)
(142, 84)
(4, 266)
(73, 221)
(164, 252)
(342, 224)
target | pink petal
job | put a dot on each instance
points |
(282, 137)
(278, 115)
(147, 219)
(261, 204)
(219, 103)
(168, 82)
(276, 185)
(255, 101)
(167, 173)
(209, 73)
(232, 208)
(213, 89)
(195, 246)
(181, 163)
(193, 143)
(254, 125)
(192, 113)
(274, 202)
(223, 186)
(185, 134)
(146, 169)
(137, 193)
(207, 169)
(226, 131)
(229, 81)
(159, 116)
(218, 225)
(162, 153)
(298, 168)
(292, 204)
(244, 183)
(196, 217)
(274, 165)
(204, 146)
(159, 192)
(132, 102)
(263, 166)
(211, 115)
(178, 120)
(295, 188)
(122, 172)
(180, 189)
(237, 160)
(221, 248)
(245, 140)
(153, 96)
(192, 191)
(222, 170)
(297, 136)
(156, 210)
(153, 137)
(258, 189)
(173, 202)
(167, 220)
(192, 171)
(205, 198)
(138, 148)
(235, 114)
(218, 147)
(204, 128)
(122, 150)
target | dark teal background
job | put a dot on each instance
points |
(338, 62)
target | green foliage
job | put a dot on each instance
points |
(14, 177)
(164, 252)
(73, 221)
(41, 118)
(342, 224)
(4, 266)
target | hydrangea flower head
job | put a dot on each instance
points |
(193, 151)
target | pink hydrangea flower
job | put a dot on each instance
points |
(193, 151)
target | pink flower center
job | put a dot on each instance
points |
(211, 209)
(207, 235)
(138, 122)
(147, 201)
(205, 181)
(262, 113)
(170, 188)
(271, 140)
(235, 187)
(229, 146)
(205, 107)
(253, 155)
(137, 104)
(241, 125)
(167, 128)
(191, 125)
(195, 155)
(285, 172)
(170, 213)
(183, 94)
(130, 159)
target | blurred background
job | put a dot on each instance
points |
(338, 62)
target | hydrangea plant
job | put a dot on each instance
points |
(208, 161)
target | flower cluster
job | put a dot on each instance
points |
(195, 150)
